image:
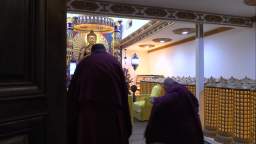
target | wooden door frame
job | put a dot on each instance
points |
(32, 73)
(56, 71)
(147, 12)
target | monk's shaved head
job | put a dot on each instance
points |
(98, 48)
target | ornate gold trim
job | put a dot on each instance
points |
(130, 10)
(146, 45)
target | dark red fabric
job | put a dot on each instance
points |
(98, 102)
(174, 118)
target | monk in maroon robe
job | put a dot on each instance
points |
(98, 101)
(174, 117)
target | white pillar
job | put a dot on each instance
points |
(199, 59)
(254, 25)
(200, 69)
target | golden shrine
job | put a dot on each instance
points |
(84, 31)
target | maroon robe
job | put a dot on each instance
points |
(174, 118)
(98, 102)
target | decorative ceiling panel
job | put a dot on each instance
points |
(130, 10)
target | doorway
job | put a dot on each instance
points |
(33, 66)
(142, 46)
(163, 44)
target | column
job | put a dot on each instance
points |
(200, 69)
(199, 60)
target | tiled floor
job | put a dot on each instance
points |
(138, 133)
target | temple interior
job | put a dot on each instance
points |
(151, 50)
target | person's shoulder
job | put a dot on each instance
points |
(110, 56)
(103, 55)
(112, 59)
(100, 58)
(84, 60)
(167, 98)
(160, 100)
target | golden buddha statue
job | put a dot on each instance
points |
(91, 40)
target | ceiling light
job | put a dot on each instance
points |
(184, 31)
(94, 23)
(162, 40)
